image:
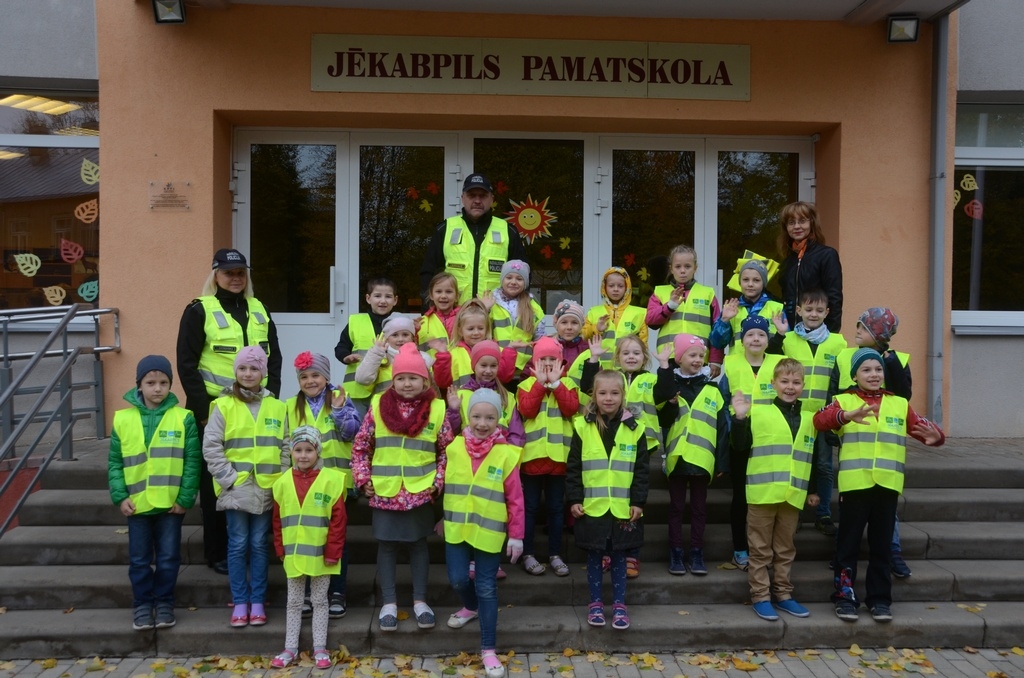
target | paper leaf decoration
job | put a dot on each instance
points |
(564, 243)
(88, 211)
(89, 290)
(969, 183)
(643, 274)
(501, 188)
(547, 251)
(566, 264)
(412, 193)
(70, 252)
(432, 188)
(28, 264)
(55, 294)
(90, 172)
(425, 205)
(974, 209)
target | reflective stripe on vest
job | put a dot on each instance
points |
(403, 460)
(780, 466)
(506, 329)
(640, 394)
(224, 339)
(770, 309)
(575, 375)
(460, 250)
(462, 366)
(305, 526)
(607, 477)
(845, 362)
(474, 503)
(693, 436)
(504, 419)
(152, 475)
(549, 433)
(875, 452)
(431, 328)
(692, 317)
(253, 445)
(741, 378)
(335, 453)
(631, 321)
(817, 366)
(360, 333)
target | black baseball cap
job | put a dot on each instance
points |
(229, 259)
(477, 181)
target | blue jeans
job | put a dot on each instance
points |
(248, 535)
(826, 475)
(895, 546)
(154, 539)
(553, 488)
(480, 593)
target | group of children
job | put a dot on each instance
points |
(476, 408)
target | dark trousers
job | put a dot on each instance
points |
(738, 509)
(215, 525)
(874, 508)
(552, 487)
(677, 507)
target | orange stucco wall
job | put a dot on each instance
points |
(173, 94)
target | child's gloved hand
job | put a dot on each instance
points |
(514, 549)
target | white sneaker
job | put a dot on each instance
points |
(457, 621)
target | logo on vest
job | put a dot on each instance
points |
(631, 326)
(644, 386)
(830, 359)
(430, 426)
(711, 402)
(895, 422)
(270, 422)
(321, 499)
(808, 440)
(494, 473)
(494, 265)
(171, 434)
(627, 450)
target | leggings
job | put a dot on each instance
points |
(387, 562)
(595, 575)
(293, 618)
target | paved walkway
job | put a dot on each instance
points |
(851, 662)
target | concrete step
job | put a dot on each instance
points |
(106, 586)
(680, 627)
(93, 507)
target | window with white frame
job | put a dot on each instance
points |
(988, 220)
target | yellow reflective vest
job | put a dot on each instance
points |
(403, 460)
(844, 361)
(630, 322)
(607, 476)
(506, 416)
(692, 317)
(780, 466)
(431, 328)
(506, 329)
(224, 339)
(575, 375)
(462, 366)
(548, 434)
(770, 308)
(360, 331)
(335, 452)
(817, 366)
(741, 378)
(640, 395)
(252, 446)
(304, 526)
(875, 452)
(152, 475)
(693, 436)
(463, 261)
(474, 503)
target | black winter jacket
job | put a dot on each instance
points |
(819, 269)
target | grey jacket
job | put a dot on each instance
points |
(248, 496)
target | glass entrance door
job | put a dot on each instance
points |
(319, 214)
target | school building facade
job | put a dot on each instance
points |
(326, 138)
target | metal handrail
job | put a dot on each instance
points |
(61, 383)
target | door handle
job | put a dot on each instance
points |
(337, 293)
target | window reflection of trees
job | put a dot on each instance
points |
(292, 225)
(653, 210)
(401, 201)
(752, 188)
(542, 168)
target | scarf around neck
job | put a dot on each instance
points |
(816, 336)
(405, 416)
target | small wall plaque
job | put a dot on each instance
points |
(170, 196)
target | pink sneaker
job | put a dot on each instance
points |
(322, 659)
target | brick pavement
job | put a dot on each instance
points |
(827, 663)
